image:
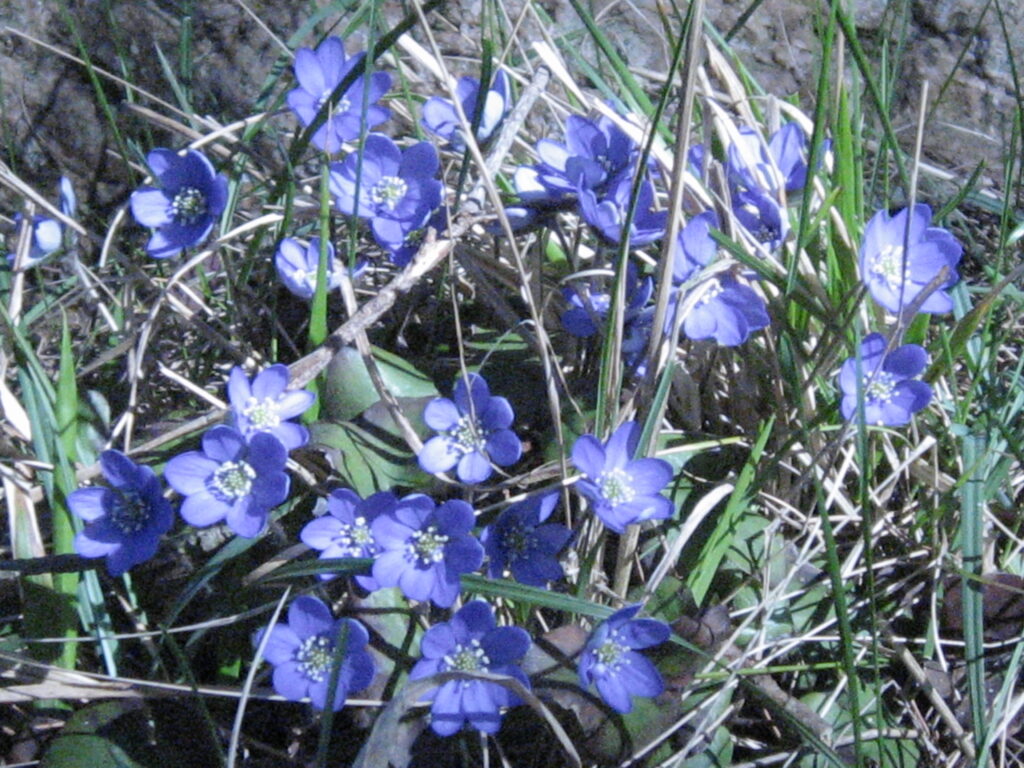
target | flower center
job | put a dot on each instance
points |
(354, 539)
(711, 293)
(314, 657)
(880, 386)
(467, 658)
(232, 480)
(518, 541)
(610, 652)
(426, 546)
(388, 191)
(129, 512)
(188, 205)
(616, 486)
(891, 265)
(342, 106)
(262, 414)
(467, 436)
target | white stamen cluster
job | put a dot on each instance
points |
(388, 191)
(616, 485)
(426, 546)
(262, 414)
(188, 205)
(314, 657)
(232, 480)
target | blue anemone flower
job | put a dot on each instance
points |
(47, 234)
(302, 652)
(886, 384)
(266, 405)
(124, 523)
(231, 479)
(297, 266)
(621, 489)
(608, 215)
(183, 208)
(471, 642)
(397, 189)
(896, 276)
(611, 663)
(521, 542)
(474, 431)
(347, 529)
(319, 73)
(424, 549)
(441, 119)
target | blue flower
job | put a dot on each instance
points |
(440, 118)
(231, 480)
(724, 309)
(474, 431)
(347, 528)
(896, 277)
(586, 312)
(425, 548)
(266, 404)
(319, 73)
(471, 642)
(608, 216)
(596, 155)
(401, 254)
(610, 660)
(397, 190)
(47, 234)
(297, 266)
(781, 164)
(621, 489)
(182, 209)
(302, 652)
(762, 217)
(522, 543)
(886, 384)
(123, 523)
(695, 247)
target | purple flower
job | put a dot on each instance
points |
(440, 118)
(319, 73)
(886, 384)
(471, 642)
(895, 277)
(190, 196)
(621, 489)
(610, 660)
(123, 523)
(47, 234)
(596, 154)
(520, 542)
(267, 403)
(397, 190)
(425, 548)
(762, 217)
(695, 247)
(719, 307)
(608, 216)
(474, 431)
(231, 480)
(302, 652)
(346, 529)
(781, 164)
(297, 266)
(585, 312)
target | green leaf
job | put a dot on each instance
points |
(349, 389)
(365, 461)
